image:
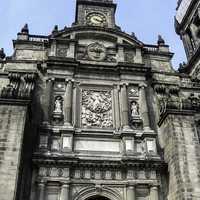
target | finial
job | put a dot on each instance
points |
(160, 41)
(55, 29)
(2, 54)
(182, 67)
(25, 29)
(133, 35)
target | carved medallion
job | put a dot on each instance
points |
(96, 109)
(96, 51)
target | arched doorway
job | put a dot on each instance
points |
(97, 197)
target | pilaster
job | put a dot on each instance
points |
(124, 109)
(131, 193)
(68, 103)
(41, 190)
(47, 101)
(154, 193)
(64, 194)
(144, 108)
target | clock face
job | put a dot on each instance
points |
(96, 19)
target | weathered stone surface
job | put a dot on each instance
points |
(12, 123)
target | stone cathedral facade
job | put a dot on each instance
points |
(90, 112)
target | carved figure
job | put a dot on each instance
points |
(134, 109)
(58, 105)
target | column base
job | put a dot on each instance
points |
(127, 128)
(68, 125)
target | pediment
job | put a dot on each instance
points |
(96, 45)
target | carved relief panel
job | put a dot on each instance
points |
(96, 108)
(96, 51)
(62, 50)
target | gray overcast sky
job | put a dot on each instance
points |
(147, 18)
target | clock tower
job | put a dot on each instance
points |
(95, 13)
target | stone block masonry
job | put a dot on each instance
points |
(182, 154)
(12, 123)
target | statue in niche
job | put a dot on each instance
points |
(134, 109)
(58, 105)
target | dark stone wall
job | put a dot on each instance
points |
(12, 124)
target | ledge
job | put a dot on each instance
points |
(17, 102)
(174, 112)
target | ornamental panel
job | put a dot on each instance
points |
(96, 109)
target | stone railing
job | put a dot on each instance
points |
(37, 38)
(151, 48)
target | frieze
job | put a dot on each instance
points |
(96, 109)
(53, 172)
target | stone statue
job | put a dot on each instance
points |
(134, 109)
(58, 105)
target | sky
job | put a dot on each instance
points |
(146, 18)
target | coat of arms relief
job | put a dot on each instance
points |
(96, 109)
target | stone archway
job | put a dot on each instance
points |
(97, 193)
(98, 197)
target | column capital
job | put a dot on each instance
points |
(124, 84)
(65, 184)
(142, 85)
(69, 81)
(131, 186)
(50, 79)
(41, 182)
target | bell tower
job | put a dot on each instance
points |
(98, 13)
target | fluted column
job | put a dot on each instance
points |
(47, 101)
(41, 190)
(154, 193)
(117, 112)
(124, 98)
(131, 193)
(68, 104)
(64, 194)
(144, 108)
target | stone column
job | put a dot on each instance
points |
(47, 101)
(187, 44)
(117, 112)
(41, 190)
(124, 98)
(64, 194)
(144, 108)
(131, 193)
(68, 104)
(72, 45)
(193, 30)
(154, 193)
